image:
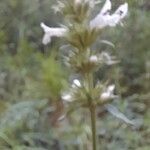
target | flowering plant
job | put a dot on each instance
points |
(81, 32)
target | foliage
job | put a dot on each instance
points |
(26, 68)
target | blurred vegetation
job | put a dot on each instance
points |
(32, 77)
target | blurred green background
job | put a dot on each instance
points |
(32, 77)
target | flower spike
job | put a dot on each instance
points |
(103, 19)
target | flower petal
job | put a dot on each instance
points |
(108, 93)
(111, 88)
(46, 39)
(119, 14)
(50, 32)
(104, 18)
(122, 10)
(106, 8)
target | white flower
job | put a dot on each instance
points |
(111, 88)
(94, 59)
(50, 32)
(76, 83)
(100, 20)
(122, 10)
(108, 93)
(104, 18)
(67, 97)
(120, 13)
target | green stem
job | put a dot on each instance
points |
(93, 126)
(92, 107)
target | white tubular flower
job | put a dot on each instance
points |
(108, 93)
(111, 88)
(67, 97)
(119, 14)
(104, 18)
(50, 32)
(100, 20)
(76, 83)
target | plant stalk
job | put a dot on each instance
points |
(93, 127)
